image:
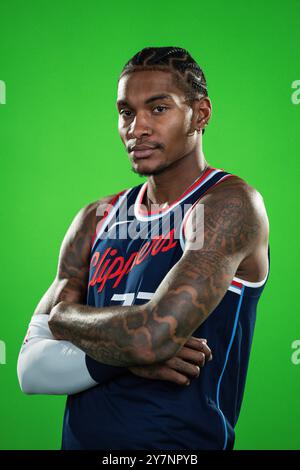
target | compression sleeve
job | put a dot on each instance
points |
(55, 367)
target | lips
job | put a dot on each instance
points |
(143, 151)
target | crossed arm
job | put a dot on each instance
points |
(234, 221)
(52, 366)
(46, 365)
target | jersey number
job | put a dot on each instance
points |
(129, 297)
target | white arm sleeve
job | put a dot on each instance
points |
(49, 366)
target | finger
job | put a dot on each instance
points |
(191, 355)
(184, 367)
(164, 372)
(207, 351)
(194, 342)
(200, 344)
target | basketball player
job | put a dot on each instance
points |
(126, 315)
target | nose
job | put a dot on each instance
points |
(138, 127)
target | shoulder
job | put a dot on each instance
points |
(234, 214)
(92, 212)
(236, 195)
(235, 184)
(84, 222)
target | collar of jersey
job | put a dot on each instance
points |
(144, 216)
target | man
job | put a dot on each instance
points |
(124, 356)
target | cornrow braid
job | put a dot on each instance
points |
(186, 73)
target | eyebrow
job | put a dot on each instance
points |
(148, 100)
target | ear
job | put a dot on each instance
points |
(202, 111)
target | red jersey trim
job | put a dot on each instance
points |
(143, 212)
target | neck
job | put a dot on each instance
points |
(168, 186)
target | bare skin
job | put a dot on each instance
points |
(235, 234)
(179, 160)
(70, 285)
(235, 229)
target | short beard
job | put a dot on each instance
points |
(157, 171)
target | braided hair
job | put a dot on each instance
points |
(186, 73)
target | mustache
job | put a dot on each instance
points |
(151, 144)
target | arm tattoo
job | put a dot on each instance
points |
(118, 336)
(154, 332)
(198, 282)
(70, 283)
(74, 256)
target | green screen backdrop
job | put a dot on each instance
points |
(60, 149)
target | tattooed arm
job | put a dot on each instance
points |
(234, 223)
(71, 280)
(49, 366)
(46, 365)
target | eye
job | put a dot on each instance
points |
(161, 107)
(122, 111)
(126, 113)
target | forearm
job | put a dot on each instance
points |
(119, 335)
(48, 366)
(51, 367)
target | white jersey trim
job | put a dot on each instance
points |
(253, 284)
(157, 216)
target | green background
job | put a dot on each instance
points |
(60, 149)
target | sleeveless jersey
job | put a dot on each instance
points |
(131, 412)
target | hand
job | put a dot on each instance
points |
(180, 368)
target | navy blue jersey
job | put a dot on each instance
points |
(130, 412)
